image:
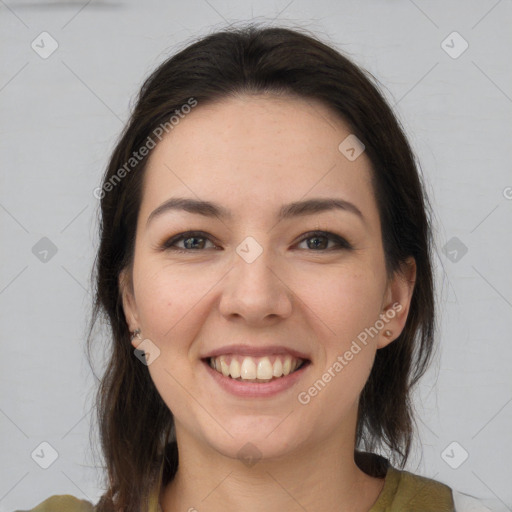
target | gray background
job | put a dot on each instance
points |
(61, 116)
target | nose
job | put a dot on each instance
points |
(256, 291)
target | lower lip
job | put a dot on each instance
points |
(255, 389)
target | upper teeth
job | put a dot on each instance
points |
(248, 368)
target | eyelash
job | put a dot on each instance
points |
(340, 241)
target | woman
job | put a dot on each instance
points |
(265, 269)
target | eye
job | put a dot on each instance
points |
(194, 241)
(340, 243)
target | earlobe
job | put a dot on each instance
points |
(135, 338)
(397, 304)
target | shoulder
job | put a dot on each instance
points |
(420, 493)
(405, 491)
(409, 491)
(62, 503)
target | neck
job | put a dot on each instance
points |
(310, 478)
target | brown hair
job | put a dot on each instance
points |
(250, 60)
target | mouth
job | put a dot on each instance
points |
(261, 370)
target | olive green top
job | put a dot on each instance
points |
(402, 492)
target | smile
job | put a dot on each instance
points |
(255, 369)
(247, 384)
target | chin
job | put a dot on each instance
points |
(256, 439)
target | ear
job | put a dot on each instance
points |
(397, 299)
(129, 306)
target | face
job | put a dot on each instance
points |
(308, 282)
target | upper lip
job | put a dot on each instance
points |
(255, 351)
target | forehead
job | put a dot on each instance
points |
(255, 153)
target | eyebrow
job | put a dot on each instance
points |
(295, 209)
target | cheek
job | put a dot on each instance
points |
(347, 300)
(166, 297)
(168, 302)
(348, 305)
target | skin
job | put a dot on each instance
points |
(252, 154)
